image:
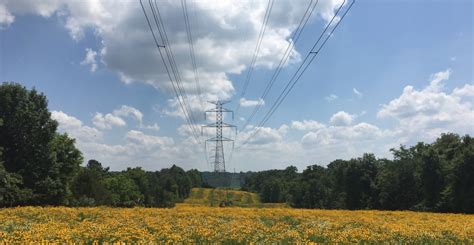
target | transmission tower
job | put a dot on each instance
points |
(218, 140)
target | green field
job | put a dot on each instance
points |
(214, 197)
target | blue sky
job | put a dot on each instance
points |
(394, 72)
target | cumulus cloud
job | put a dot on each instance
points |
(128, 111)
(75, 128)
(116, 118)
(248, 103)
(341, 118)
(90, 59)
(107, 121)
(134, 149)
(307, 125)
(423, 114)
(337, 135)
(154, 127)
(464, 92)
(142, 139)
(224, 34)
(264, 135)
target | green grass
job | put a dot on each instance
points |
(213, 197)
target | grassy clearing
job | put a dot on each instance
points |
(213, 197)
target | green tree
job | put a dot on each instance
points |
(123, 191)
(26, 138)
(66, 163)
(459, 193)
(11, 193)
(88, 186)
(398, 181)
(316, 185)
(176, 181)
(432, 179)
(272, 191)
(195, 177)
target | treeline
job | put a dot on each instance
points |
(39, 166)
(95, 185)
(426, 177)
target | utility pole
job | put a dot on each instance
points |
(218, 140)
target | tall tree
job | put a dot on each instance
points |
(26, 138)
(88, 186)
(460, 190)
(432, 179)
(195, 177)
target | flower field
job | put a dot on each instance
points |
(200, 224)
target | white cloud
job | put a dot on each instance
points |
(6, 18)
(107, 121)
(116, 118)
(248, 103)
(136, 148)
(75, 128)
(90, 59)
(307, 125)
(139, 138)
(341, 118)
(331, 97)
(424, 114)
(436, 79)
(154, 127)
(265, 135)
(338, 135)
(224, 34)
(357, 92)
(466, 91)
(128, 111)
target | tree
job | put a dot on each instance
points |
(272, 190)
(88, 186)
(11, 192)
(432, 179)
(195, 177)
(157, 196)
(177, 181)
(123, 191)
(316, 187)
(459, 193)
(26, 138)
(66, 163)
(398, 181)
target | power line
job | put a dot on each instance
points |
(169, 52)
(295, 37)
(158, 46)
(191, 48)
(297, 75)
(256, 52)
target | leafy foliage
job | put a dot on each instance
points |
(31, 147)
(431, 177)
(39, 166)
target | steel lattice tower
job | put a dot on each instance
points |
(219, 158)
